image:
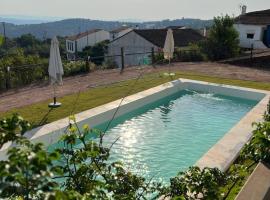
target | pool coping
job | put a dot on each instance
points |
(221, 155)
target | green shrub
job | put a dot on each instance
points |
(193, 53)
(223, 39)
(77, 67)
(159, 58)
(189, 56)
(196, 183)
(258, 149)
(96, 52)
(24, 69)
(109, 63)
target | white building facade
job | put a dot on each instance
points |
(254, 29)
(251, 36)
(132, 43)
(78, 42)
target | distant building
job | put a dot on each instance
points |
(119, 32)
(78, 42)
(254, 29)
(149, 26)
(141, 42)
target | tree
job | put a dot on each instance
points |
(223, 41)
(2, 39)
(12, 128)
(96, 52)
(22, 68)
(27, 40)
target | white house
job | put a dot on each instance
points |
(138, 44)
(78, 42)
(119, 32)
(253, 29)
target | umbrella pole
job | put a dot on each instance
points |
(170, 65)
(54, 104)
(54, 94)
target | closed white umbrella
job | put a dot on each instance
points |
(169, 48)
(169, 45)
(55, 69)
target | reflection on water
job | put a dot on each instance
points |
(165, 110)
(170, 135)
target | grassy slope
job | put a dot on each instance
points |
(101, 95)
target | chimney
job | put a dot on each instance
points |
(204, 32)
(244, 9)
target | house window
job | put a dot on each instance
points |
(70, 46)
(250, 35)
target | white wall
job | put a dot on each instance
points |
(92, 39)
(132, 43)
(257, 30)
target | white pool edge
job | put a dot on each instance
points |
(221, 155)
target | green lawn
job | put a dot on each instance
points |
(93, 97)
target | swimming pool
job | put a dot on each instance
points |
(171, 134)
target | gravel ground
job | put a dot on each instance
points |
(43, 91)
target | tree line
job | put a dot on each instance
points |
(27, 57)
(24, 60)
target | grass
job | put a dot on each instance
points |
(39, 113)
(247, 167)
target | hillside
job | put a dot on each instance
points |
(73, 26)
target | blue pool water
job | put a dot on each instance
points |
(171, 134)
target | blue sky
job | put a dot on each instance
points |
(129, 9)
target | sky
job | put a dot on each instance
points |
(129, 9)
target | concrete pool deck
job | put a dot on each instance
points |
(221, 155)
